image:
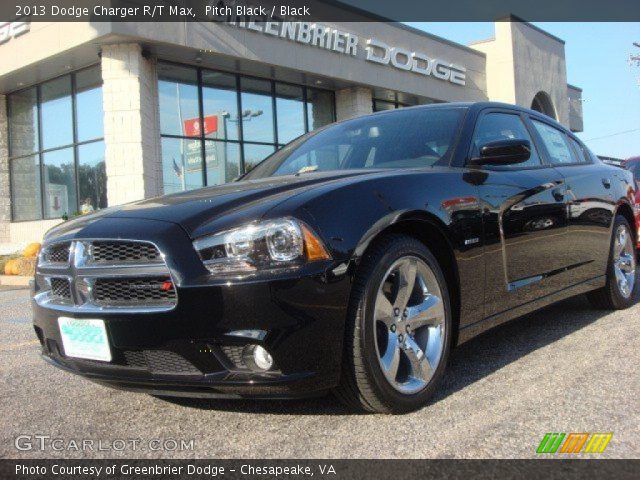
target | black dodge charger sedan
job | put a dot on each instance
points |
(353, 259)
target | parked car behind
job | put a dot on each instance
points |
(633, 164)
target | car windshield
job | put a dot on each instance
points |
(634, 166)
(410, 138)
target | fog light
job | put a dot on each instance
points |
(257, 358)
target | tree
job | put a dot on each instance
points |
(635, 59)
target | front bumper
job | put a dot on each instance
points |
(195, 349)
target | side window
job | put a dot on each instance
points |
(591, 156)
(635, 169)
(556, 143)
(579, 150)
(503, 126)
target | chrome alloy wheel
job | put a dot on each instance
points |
(409, 324)
(624, 261)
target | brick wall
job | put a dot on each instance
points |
(131, 124)
(353, 102)
(5, 198)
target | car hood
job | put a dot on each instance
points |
(202, 211)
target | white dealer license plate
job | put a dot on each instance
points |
(85, 338)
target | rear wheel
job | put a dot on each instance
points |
(619, 291)
(398, 330)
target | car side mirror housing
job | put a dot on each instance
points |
(503, 152)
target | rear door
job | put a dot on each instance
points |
(590, 201)
(524, 217)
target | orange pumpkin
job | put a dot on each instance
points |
(31, 250)
(10, 267)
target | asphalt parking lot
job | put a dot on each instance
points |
(567, 368)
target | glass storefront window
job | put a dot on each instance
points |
(57, 168)
(181, 164)
(89, 115)
(257, 110)
(92, 177)
(25, 188)
(255, 153)
(400, 101)
(381, 105)
(290, 108)
(220, 104)
(225, 123)
(179, 105)
(55, 111)
(59, 178)
(222, 161)
(23, 122)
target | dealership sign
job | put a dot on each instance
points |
(377, 51)
(192, 154)
(9, 30)
(191, 126)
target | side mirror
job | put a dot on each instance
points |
(503, 152)
(475, 176)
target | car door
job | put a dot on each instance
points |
(524, 217)
(590, 201)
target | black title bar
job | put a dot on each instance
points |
(316, 10)
(318, 469)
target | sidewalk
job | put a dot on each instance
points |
(14, 281)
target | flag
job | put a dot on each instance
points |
(177, 169)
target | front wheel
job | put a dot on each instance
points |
(398, 330)
(619, 291)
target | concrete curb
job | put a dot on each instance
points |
(15, 280)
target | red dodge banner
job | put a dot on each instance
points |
(192, 126)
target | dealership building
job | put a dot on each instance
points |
(96, 114)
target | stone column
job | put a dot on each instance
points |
(131, 124)
(353, 102)
(321, 106)
(5, 198)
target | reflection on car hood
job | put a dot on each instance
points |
(194, 210)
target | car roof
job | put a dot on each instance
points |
(477, 107)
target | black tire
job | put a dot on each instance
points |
(363, 385)
(610, 297)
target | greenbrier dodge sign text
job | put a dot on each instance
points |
(330, 38)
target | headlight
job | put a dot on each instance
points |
(269, 245)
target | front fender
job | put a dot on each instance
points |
(349, 216)
(396, 219)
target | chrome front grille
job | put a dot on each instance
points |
(102, 275)
(111, 252)
(60, 289)
(125, 291)
(57, 254)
